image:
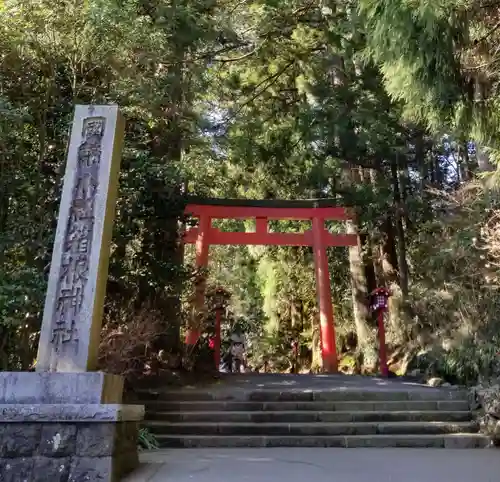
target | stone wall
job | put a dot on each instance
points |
(68, 451)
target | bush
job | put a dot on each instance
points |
(147, 440)
(470, 363)
(126, 346)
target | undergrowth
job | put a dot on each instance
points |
(147, 440)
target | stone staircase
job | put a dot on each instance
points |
(311, 416)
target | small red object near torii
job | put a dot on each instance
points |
(317, 211)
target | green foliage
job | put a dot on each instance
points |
(270, 100)
(473, 362)
(55, 55)
(415, 44)
(147, 440)
(439, 59)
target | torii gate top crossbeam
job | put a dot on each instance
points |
(325, 209)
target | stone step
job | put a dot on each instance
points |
(349, 395)
(308, 429)
(311, 416)
(153, 406)
(454, 441)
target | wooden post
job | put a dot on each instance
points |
(379, 298)
(261, 225)
(327, 330)
(382, 347)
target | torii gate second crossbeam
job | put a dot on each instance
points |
(317, 211)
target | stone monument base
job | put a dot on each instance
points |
(58, 441)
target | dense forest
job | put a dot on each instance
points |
(388, 106)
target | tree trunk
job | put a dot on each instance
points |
(483, 160)
(368, 262)
(421, 161)
(352, 177)
(400, 231)
(317, 360)
(394, 264)
(388, 254)
(359, 290)
(163, 225)
(375, 251)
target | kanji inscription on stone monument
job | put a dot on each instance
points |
(76, 249)
(69, 337)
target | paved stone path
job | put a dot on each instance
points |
(318, 464)
(235, 384)
(280, 381)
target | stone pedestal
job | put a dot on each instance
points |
(68, 443)
(55, 427)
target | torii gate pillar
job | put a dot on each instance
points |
(327, 327)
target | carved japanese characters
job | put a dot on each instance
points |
(78, 243)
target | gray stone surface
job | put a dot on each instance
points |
(17, 469)
(309, 411)
(272, 388)
(62, 439)
(58, 440)
(316, 464)
(70, 413)
(236, 406)
(309, 416)
(304, 382)
(96, 440)
(69, 388)
(86, 469)
(311, 428)
(20, 440)
(51, 469)
(72, 316)
(70, 451)
(461, 441)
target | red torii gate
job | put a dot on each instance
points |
(317, 211)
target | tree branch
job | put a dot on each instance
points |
(236, 59)
(491, 32)
(271, 80)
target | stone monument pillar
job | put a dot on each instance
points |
(71, 325)
(66, 422)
